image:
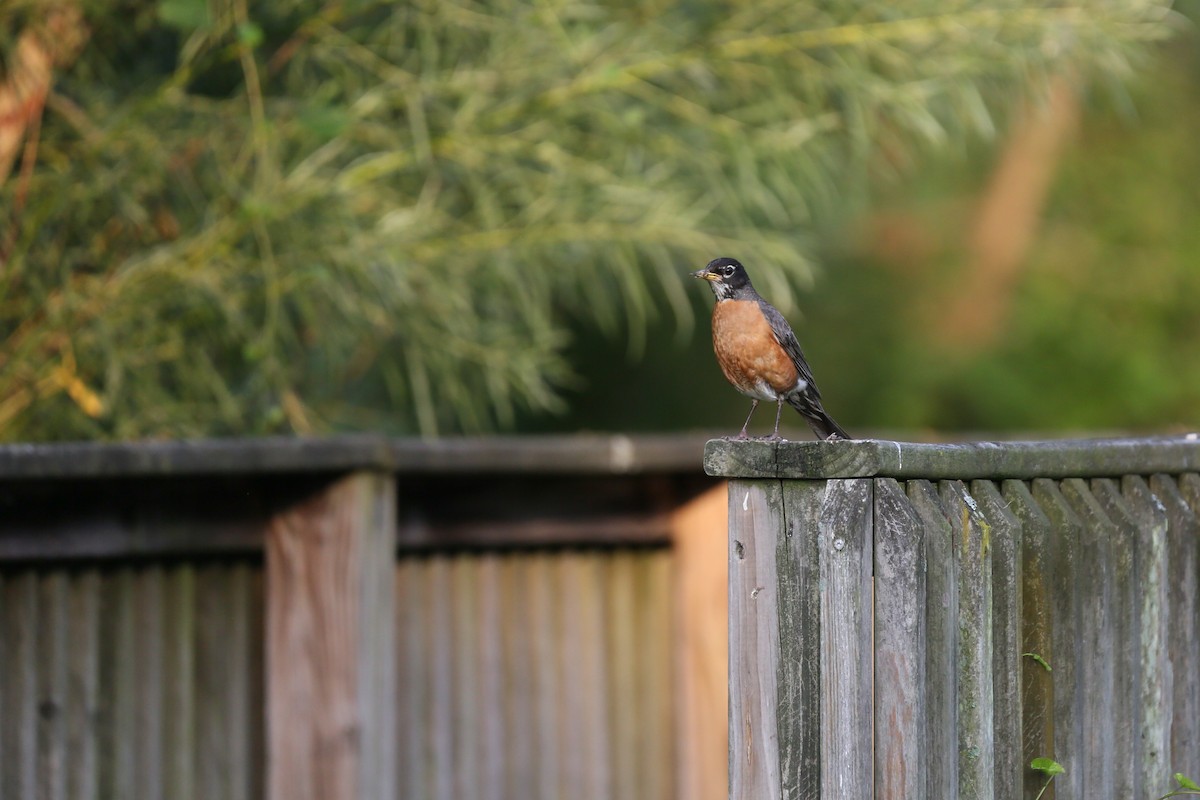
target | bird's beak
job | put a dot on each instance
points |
(704, 274)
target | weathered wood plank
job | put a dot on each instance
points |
(51, 695)
(579, 454)
(119, 679)
(1066, 610)
(147, 658)
(1151, 612)
(755, 525)
(178, 681)
(1124, 651)
(464, 619)
(18, 760)
(941, 640)
(622, 690)
(976, 729)
(1003, 532)
(1037, 624)
(1183, 637)
(845, 548)
(83, 621)
(521, 678)
(901, 724)
(544, 614)
(413, 677)
(798, 605)
(438, 603)
(975, 460)
(490, 700)
(330, 621)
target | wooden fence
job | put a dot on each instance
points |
(921, 621)
(362, 618)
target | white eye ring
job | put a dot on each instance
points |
(727, 272)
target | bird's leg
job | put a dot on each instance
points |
(778, 411)
(743, 434)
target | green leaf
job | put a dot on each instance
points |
(249, 34)
(1186, 783)
(186, 15)
(1039, 660)
(1047, 766)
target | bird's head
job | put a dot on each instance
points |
(726, 277)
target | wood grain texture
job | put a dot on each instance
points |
(1124, 648)
(845, 548)
(1004, 536)
(1066, 610)
(1183, 636)
(976, 730)
(755, 525)
(969, 461)
(1153, 698)
(329, 659)
(1037, 624)
(901, 722)
(1096, 633)
(797, 565)
(941, 639)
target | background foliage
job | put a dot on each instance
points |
(301, 216)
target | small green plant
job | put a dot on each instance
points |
(1186, 786)
(1047, 766)
(1037, 657)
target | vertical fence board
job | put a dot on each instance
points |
(1066, 610)
(655, 669)
(622, 689)
(18, 766)
(82, 710)
(520, 679)
(440, 648)
(1124, 650)
(490, 700)
(1004, 535)
(465, 670)
(976, 731)
(178, 709)
(52, 686)
(544, 613)
(1096, 656)
(118, 655)
(330, 700)
(412, 678)
(845, 553)
(755, 521)
(699, 531)
(1037, 623)
(941, 640)
(1151, 616)
(1183, 643)
(900, 706)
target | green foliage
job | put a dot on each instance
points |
(1048, 767)
(306, 216)
(1186, 786)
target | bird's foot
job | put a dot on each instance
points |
(741, 437)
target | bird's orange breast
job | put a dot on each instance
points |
(747, 350)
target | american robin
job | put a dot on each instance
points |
(758, 351)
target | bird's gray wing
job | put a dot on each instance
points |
(787, 340)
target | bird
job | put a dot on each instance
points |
(758, 351)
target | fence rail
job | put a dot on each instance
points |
(912, 621)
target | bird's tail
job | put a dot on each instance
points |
(821, 423)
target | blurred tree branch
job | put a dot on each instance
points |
(297, 216)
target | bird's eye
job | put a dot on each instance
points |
(727, 272)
